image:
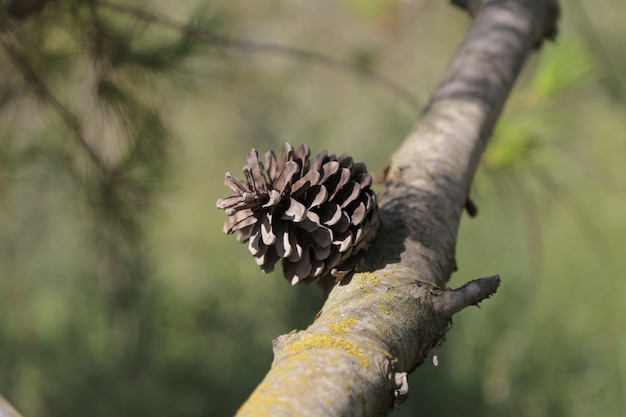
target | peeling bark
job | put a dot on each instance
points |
(353, 360)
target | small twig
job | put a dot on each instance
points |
(472, 293)
(251, 46)
(43, 92)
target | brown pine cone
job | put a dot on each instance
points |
(314, 214)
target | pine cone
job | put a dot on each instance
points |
(314, 214)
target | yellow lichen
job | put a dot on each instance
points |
(388, 298)
(262, 399)
(303, 351)
(328, 341)
(383, 309)
(342, 326)
(367, 278)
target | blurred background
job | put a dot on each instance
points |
(119, 293)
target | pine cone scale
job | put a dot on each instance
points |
(235, 184)
(329, 169)
(330, 213)
(245, 233)
(256, 171)
(267, 231)
(348, 194)
(239, 220)
(310, 179)
(316, 196)
(254, 244)
(296, 212)
(322, 236)
(285, 176)
(358, 215)
(283, 246)
(321, 252)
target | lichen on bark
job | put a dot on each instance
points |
(397, 307)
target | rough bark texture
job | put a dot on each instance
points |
(354, 359)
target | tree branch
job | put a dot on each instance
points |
(470, 294)
(354, 359)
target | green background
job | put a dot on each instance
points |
(193, 338)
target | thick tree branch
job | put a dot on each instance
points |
(353, 360)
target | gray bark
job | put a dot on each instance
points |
(354, 358)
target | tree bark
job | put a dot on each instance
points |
(353, 360)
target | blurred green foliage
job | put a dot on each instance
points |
(119, 294)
